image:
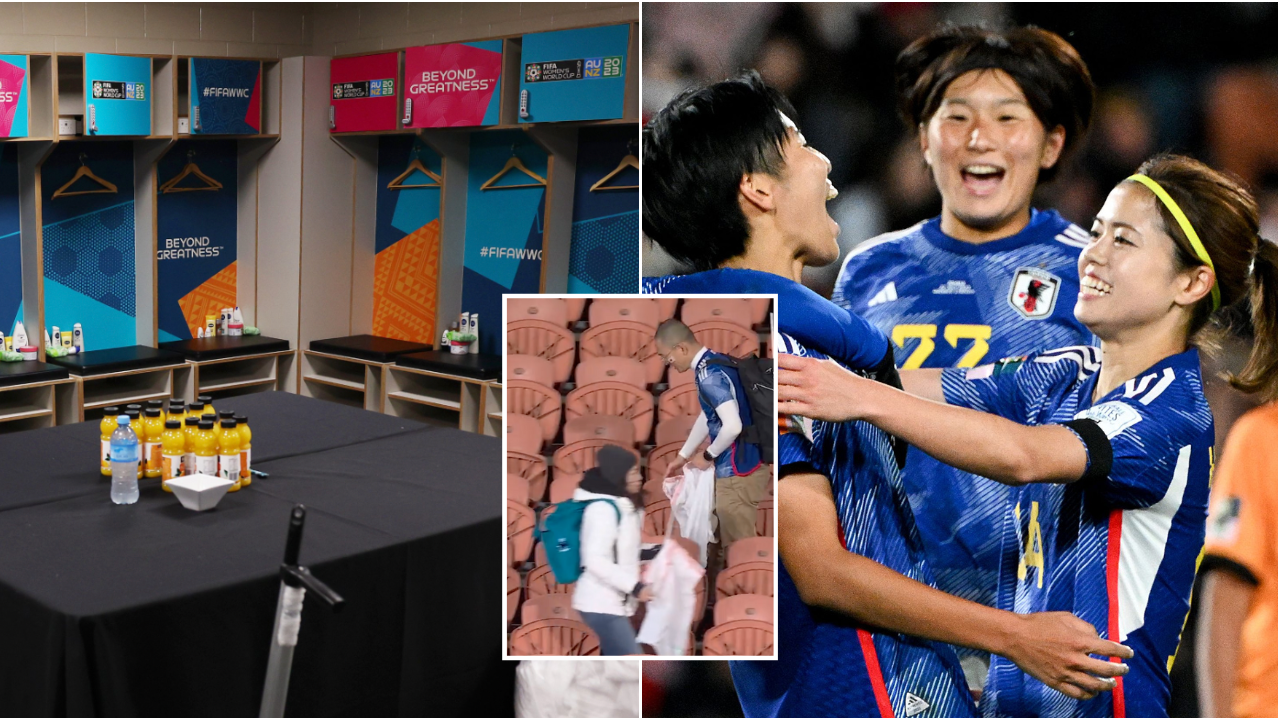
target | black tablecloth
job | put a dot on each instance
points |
(154, 610)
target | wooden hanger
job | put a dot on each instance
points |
(210, 184)
(628, 161)
(414, 166)
(84, 172)
(514, 164)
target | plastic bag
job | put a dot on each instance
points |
(692, 505)
(673, 576)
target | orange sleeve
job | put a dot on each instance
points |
(1243, 517)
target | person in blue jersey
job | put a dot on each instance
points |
(731, 189)
(996, 113)
(1109, 449)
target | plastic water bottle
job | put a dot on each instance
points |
(124, 464)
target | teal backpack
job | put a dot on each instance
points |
(561, 533)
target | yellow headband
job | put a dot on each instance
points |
(1185, 227)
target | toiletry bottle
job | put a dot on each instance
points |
(19, 336)
(237, 323)
(107, 425)
(77, 337)
(474, 329)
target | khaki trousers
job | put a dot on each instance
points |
(736, 503)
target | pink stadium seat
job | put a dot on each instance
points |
(623, 369)
(666, 307)
(748, 577)
(680, 378)
(539, 554)
(539, 338)
(562, 488)
(541, 581)
(519, 531)
(758, 548)
(652, 491)
(628, 309)
(538, 401)
(572, 460)
(553, 637)
(512, 593)
(550, 605)
(530, 368)
(726, 338)
(624, 339)
(523, 434)
(736, 311)
(532, 467)
(759, 309)
(576, 306)
(613, 398)
(598, 426)
(738, 638)
(516, 488)
(660, 458)
(655, 517)
(678, 402)
(700, 609)
(763, 525)
(745, 606)
(547, 309)
(676, 428)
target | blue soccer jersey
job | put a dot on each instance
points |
(718, 384)
(947, 303)
(1119, 552)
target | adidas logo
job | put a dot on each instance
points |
(886, 294)
(915, 705)
(954, 286)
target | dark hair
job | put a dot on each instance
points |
(695, 151)
(1048, 70)
(1227, 220)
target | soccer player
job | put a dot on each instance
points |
(996, 112)
(1110, 449)
(731, 188)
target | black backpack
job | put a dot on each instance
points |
(758, 378)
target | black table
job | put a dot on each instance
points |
(154, 610)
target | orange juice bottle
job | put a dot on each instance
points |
(246, 448)
(207, 401)
(154, 427)
(108, 425)
(135, 421)
(206, 449)
(173, 445)
(221, 417)
(229, 454)
(189, 431)
(177, 410)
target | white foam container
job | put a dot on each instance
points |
(199, 492)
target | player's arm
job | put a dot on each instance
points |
(1052, 647)
(700, 431)
(973, 441)
(1226, 600)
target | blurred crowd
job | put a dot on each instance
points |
(1200, 79)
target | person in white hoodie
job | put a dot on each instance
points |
(609, 588)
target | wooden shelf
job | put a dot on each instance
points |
(24, 411)
(123, 398)
(427, 400)
(330, 381)
(235, 384)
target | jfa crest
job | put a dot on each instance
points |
(1033, 292)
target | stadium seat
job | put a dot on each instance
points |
(738, 638)
(517, 488)
(541, 581)
(613, 398)
(513, 589)
(576, 307)
(562, 488)
(652, 491)
(763, 525)
(679, 378)
(623, 369)
(745, 606)
(539, 554)
(550, 605)
(520, 520)
(660, 458)
(572, 460)
(628, 309)
(682, 401)
(726, 338)
(736, 311)
(655, 517)
(699, 610)
(676, 428)
(523, 434)
(530, 368)
(666, 307)
(748, 577)
(538, 401)
(598, 426)
(750, 549)
(554, 637)
(759, 309)
(624, 339)
(533, 468)
(543, 339)
(547, 309)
